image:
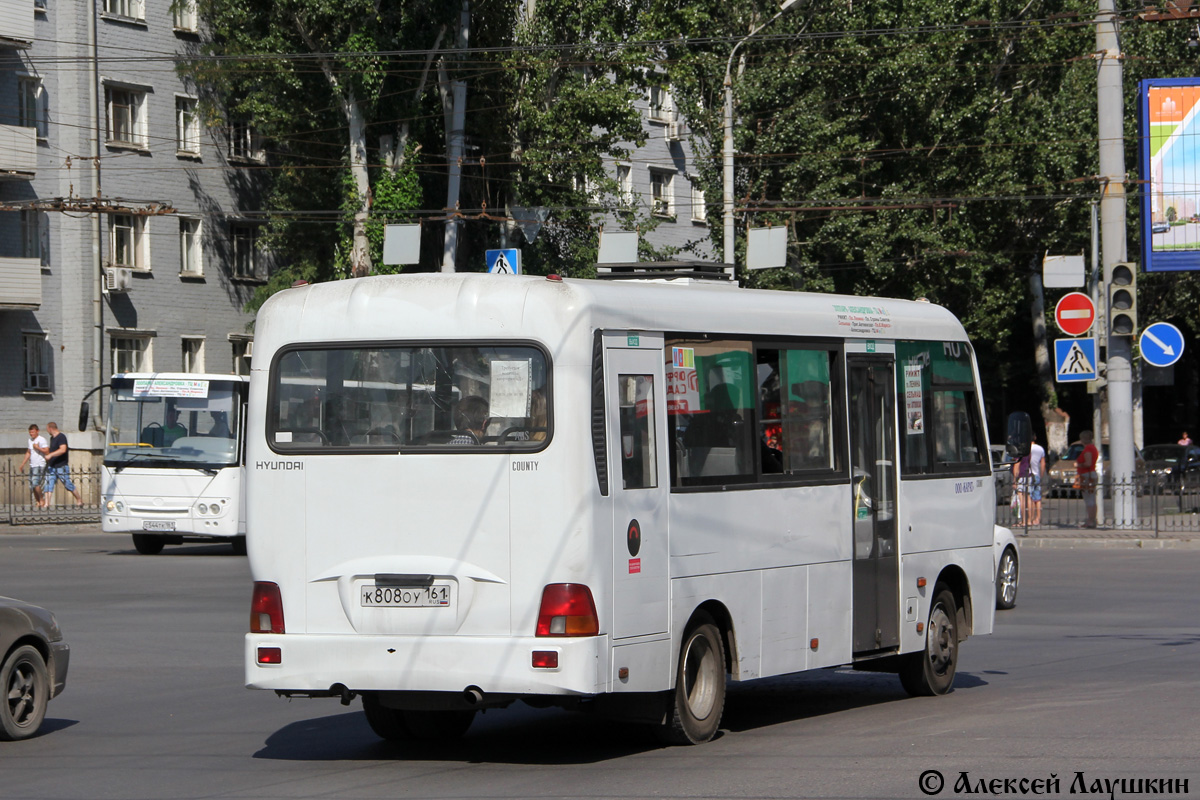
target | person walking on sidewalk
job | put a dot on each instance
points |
(57, 468)
(35, 457)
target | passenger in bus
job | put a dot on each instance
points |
(470, 419)
(771, 449)
(220, 425)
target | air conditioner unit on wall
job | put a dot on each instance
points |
(674, 130)
(117, 279)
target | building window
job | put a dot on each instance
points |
(190, 261)
(241, 356)
(661, 108)
(699, 209)
(662, 193)
(128, 243)
(186, 16)
(187, 126)
(193, 353)
(31, 235)
(244, 143)
(130, 9)
(245, 250)
(37, 362)
(131, 354)
(625, 182)
(31, 105)
(126, 117)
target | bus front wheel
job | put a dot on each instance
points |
(148, 544)
(699, 697)
(931, 671)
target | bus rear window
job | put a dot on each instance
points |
(384, 398)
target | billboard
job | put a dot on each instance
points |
(1170, 173)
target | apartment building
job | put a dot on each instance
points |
(123, 244)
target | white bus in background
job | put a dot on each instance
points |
(611, 495)
(174, 459)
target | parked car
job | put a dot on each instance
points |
(1002, 473)
(1173, 467)
(34, 667)
(1007, 561)
(1160, 227)
(1060, 478)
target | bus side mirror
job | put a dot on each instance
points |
(1020, 434)
(83, 416)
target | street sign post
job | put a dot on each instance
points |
(1161, 344)
(1075, 313)
(1075, 360)
(503, 262)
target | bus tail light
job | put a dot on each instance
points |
(567, 610)
(266, 608)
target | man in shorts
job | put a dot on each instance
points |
(57, 468)
(1037, 464)
(35, 457)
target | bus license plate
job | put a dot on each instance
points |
(158, 525)
(437, 595)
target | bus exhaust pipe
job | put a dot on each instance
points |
(473, 695)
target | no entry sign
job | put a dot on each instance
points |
(1075, 314)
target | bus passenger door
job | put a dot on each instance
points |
(876, 571)
(636, 425)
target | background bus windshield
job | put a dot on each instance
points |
(158, 423)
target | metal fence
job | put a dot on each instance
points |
(17, 506)
(1155, 507)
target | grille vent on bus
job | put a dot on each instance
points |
(660, 270)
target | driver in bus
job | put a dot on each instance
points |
(220, 426)
(172, 428)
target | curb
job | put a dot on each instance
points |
(1100, 543)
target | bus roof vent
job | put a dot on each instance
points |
(668, 271)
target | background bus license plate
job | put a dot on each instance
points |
(438, 595)
(158, 525)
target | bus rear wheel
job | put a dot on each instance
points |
(398, 724)
(148, 544)
(931, 671)
(699, 696)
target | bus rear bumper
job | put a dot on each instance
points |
(321, 663)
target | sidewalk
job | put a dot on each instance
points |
(1071, 536)
(1049, 536)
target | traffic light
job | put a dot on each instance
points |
(1122, 300)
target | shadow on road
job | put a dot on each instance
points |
(523, 735)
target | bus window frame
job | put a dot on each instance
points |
(521, 447)
(821, 476)
(936, 469)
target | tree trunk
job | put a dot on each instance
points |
(360, 252)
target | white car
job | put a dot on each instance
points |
(1008, 567)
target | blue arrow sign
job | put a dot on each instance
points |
(504, 262)
(1074, 360)
(1161, 344)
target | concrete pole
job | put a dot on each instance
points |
(454, 148)
(1111, 119)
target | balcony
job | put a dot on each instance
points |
(18, 151)
(20, 282)
(16, 23)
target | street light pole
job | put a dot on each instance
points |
(728, 126)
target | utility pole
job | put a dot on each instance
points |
(454, 147)
(1111, 120)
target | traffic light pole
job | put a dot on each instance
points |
(1111, 116)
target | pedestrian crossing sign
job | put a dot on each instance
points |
(504, 262)
(1075, 360)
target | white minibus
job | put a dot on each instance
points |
(174, 459)
(467, 490)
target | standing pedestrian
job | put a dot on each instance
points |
(1185, 440)
(35, 457)
(1037, 463)
(57, 468)
(1085, 468)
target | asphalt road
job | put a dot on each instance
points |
(1095, 671)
